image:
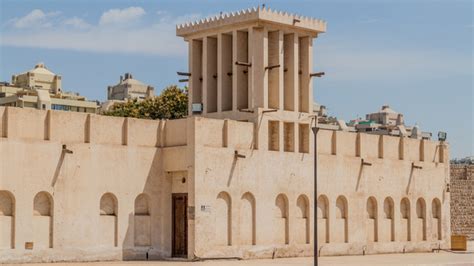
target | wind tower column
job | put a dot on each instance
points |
(240, 74)
(305, 93)
(195, 68)
(291, 71)
(252, 59)
(224, 72)
(209, 67)
(258, 43)
(275, 70)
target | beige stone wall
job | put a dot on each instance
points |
(462, 200)
(262, 205)
(50, 82)
(111, 198)
(252, 194)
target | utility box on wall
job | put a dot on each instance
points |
(28, 245)
(459, 242)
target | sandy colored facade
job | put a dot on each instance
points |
(233, 180)
(128, 88)
(236, 210)
(40, 77)
(42, 89)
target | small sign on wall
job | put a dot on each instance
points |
(206, 208)
(28, 245)
(459, 242)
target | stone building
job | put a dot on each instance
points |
(42, 89)
(386, 116)
(462, 199)
(39, 77)
(235, 179)
(387, 122)
(128, 88)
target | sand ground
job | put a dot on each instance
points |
(442, 258)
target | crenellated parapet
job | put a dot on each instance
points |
(76, 128)
(372, 147)
(71, 127)
(255, 14)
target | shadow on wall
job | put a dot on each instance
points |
(7, 219)
(231, 172)
(145, 237)
(58, 168)
(409, 181)
(43, 220)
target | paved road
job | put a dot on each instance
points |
(443, 258)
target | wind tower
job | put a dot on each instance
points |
(252, 63)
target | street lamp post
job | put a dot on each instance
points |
(315, 218)
(315, 214)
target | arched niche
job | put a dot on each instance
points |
(281, 219)
(302, 220)
(108, 221)
(342, 220)
(323, 219)
(388, 223)
(142, 221)
(420, 223)
(436, 214)
(372, 220)
(405, 220)
(43, 220)
(223, 214)
(7, 220)
(247, 219)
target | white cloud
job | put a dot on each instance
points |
(34, 19)
(156, 40)
(77, 23)
(78, 35)
(165, 17)
(187, 18)
(120, 16)
(161, 12)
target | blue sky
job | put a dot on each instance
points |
(416, 56)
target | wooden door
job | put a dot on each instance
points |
(180, 225)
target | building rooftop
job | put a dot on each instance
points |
(387, 109)
(255, 14)
(40, 68)
(128, 79)
(463, 161)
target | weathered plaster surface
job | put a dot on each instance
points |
(257, 206)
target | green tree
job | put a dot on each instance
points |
(172, 103)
